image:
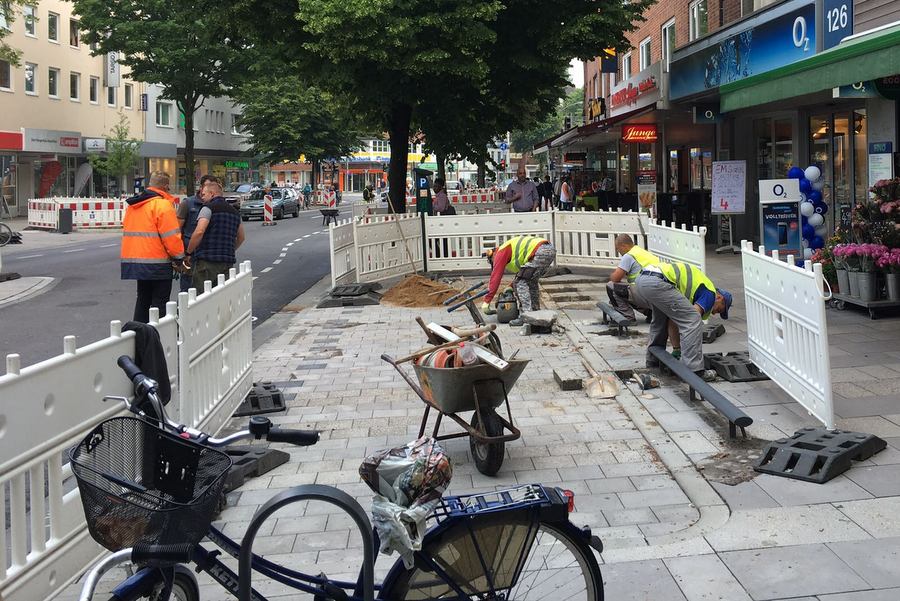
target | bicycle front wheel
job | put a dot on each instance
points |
(556, 565)
(6, 234)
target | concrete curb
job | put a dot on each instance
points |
(714, 512)
(29, 288)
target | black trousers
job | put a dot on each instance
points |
(151, 293)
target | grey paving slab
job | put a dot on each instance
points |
(640, 581)
(746, 495)
(867, 406)
(876, 561)
(788, 572)
(878, 595)
(879, 480)
(788, 491)
(705, 578)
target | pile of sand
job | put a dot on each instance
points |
(418, 291)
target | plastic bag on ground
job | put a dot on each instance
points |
(408, 483)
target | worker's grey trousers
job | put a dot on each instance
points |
(626, 306)
(667, 303)
(527, 290)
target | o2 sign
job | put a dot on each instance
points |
(801, 40)
(838, 17)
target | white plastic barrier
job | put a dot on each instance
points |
(44, 410)
(588, 238)
(786, 327)
(673, 244)
(458, 242)
(216, 353)
(343, 252)
(43, 214)
(384, 245)
(87, 213)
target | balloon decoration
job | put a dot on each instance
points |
(812, 208)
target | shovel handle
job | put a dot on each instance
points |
(470, 299)
(424, 351)
(463, 293)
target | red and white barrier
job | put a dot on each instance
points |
(330, 198)
(87, 213)
(268, 214)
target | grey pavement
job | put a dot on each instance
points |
(681, 514)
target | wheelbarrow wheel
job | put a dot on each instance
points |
(488, 456)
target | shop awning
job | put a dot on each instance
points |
(579, 132)
(870, 56)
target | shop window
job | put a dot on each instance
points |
(5, 76)
(673, 171)
(53, 27)
(842, 160)
(668, 42)
(646, 158)
(860, 154)
(626, 66)
(74, 33)
(783, 147)
(129, 95)
(8, 179)
(75, 86)
(625, 168)
(29, 18)
(645, 54)
(31, 79)
(94, 90)
(697, 19)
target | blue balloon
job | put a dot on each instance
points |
(795, 173)
(816, 243)
(809, 231)
(820, 207)
(806, 187)
(815, 196)
(804, 219)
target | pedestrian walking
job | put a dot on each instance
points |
(187, 212)
(683, 294)
(546, 192)
(526, 256)
(566, 196)
(151, 242)
(522, 193)
(219, 233)
(606, 189)
(441, 204)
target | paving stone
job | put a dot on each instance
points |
(693, 441)
(608, 485)
(879, 595)
(788, 491)
(624, 517)
(879, 480)
(746, 495)
(876, 561)
(879, 426)
(640, 581)
(791, 572)
(654, 482)
(646, 498)
(705, 578)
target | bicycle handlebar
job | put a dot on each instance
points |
(301, 438)
(129, 367)
(162, 553)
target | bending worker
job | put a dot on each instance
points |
(526, 256)
(623, 296)
(686, 296)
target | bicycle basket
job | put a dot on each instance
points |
(141, 484)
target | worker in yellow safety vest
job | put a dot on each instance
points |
(526, 256)
(623, 295)
(682, 294)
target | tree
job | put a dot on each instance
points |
(174, 43)
(287, 118)
(122, 152)
(8, 16)
(523, 140)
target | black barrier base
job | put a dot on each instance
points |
(711, 331)
(817, 454)
(621, 322)
(250, 462)
(734, 367)
(263, 398)
(352, 295)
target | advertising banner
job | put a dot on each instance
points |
(729, 186)
(779, 204)
(646, 188)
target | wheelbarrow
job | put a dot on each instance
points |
(479, 388)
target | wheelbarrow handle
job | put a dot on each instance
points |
(463, 293)
(471, 298)
(412, 383)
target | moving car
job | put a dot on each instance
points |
(284, 201)
(241, 191)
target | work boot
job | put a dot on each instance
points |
(518, 321)
(652, 363)
(708, 375)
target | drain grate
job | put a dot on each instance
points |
(817, 454)
(734, 367)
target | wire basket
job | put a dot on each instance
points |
(141, 484)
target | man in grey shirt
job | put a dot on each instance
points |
(522, 193)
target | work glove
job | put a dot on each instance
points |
(487, 309)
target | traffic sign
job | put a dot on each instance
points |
(504, 146)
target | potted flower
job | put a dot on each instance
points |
(826, 259)
(889, 262)
(834, 246)
(847, 253)
(869, 254)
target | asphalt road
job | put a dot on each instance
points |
(287, 259)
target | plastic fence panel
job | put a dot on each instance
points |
(385, 244)
(587, 238)
(786, 328)
(343, 253)
(678, 244)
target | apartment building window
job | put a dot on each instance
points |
(53, 82)
(28, 14)
(53, 27)
(74, 33)
(667, 38)
(626, 66)
(111, 96)
(93, 90)
(163, 114)
(31, 79)
(129, 93)
(235, 125)
(381, 146)
(75, 87)
(697, 18)
(645, 54)
(5, 76)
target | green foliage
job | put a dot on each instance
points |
(523, 140)
(122, 151)
(8, 10)
(287, 117)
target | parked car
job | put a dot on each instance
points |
(238, 192)
(284, 201)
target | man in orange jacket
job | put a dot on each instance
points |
(151, 242)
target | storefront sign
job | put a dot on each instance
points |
(574, 157)
(636, 92)
(838, 22)
(144, 102)
(779, 202)
(48, 140)
(881, 162)
(729, 186)
(95, 144)
(112, 73)
(706, 113)
(609, 62)
(889, 87)
(237, 164)
(860, 89)
(639, 133)
(10, 140)
(771, 44)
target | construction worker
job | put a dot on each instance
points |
(526, 256)
(685, 295)
(623, 296)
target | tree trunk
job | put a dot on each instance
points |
(481, 174)
(441, 158)
(400, 117)
(188, 110)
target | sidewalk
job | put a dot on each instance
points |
(681, 514)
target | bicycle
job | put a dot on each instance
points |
(498, 546)
(6, 234)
